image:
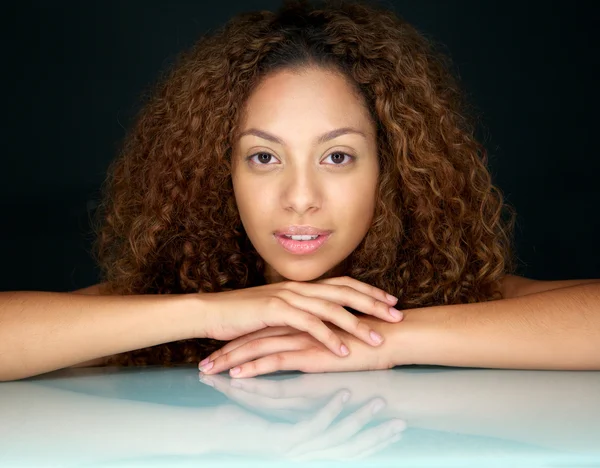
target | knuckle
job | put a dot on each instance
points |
(256, 345)
(313, 321)
(225, 358)
(275, 302)
(330, 335)
(363, 327)
(280, 358)
(333, 308)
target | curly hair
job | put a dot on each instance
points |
(168, 223)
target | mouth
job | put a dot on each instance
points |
(302, 244)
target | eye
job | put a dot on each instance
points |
(262, 159)
(340, 159)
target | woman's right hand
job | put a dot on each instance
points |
(305, 306)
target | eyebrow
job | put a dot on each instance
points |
(321, 139)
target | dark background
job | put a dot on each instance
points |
(74, 73)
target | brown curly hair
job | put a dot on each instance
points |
(167, 222)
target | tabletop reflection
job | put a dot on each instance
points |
(432, 416)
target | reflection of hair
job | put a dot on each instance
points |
(168, 222)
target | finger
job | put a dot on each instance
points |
(364, 288)
(334, 313)
(346, 295)
(269, 331)
(266, 403)
(323, 418)
(287, 315)
(259, 348)
(291, 408)
(362, 444)
(379, 447)
(270, 407)
(366, 443)
(286, 389)
(342, 431)
(289, 360)
(218, 382)
(251, 401)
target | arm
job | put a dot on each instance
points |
(45, 331)
(557, 328)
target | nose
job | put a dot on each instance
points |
(300, 192)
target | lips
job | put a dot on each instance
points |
(302, 247)
(302, 231)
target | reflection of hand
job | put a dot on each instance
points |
(315, 436)
(284, 348)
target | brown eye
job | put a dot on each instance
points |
(261, 159)
(340, 159)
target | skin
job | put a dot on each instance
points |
(304, 182)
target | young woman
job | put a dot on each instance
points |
(306, 186)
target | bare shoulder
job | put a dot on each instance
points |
(514, 286)
(517, 286)
(94, 290)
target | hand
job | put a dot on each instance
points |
(285, 348)
(302, 306)
(323, 428)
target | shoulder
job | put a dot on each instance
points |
(94, 290)
(516, 286)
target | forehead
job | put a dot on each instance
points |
(323, 98)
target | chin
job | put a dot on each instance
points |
(300, 273)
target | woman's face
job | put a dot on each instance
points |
(295, 172)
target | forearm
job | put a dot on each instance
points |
(45, 331)
(557, 329)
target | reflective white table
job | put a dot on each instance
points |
(424, 416)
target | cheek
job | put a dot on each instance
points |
(252, 203)
(356, 200)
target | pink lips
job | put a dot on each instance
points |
(301, 247)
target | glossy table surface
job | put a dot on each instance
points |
(404, 417)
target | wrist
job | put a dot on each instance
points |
(418, 338)
(190, 312)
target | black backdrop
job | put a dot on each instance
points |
(73, 75)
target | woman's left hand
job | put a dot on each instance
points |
(285, 348)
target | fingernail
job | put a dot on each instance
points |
(207, 367)
(204, 361)
(344, 350)
(235, 370)
(391, 298)
(206, 381)
(377, 406)
(398, 425)
(345, 397)
(395, 313)
(376, 337)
